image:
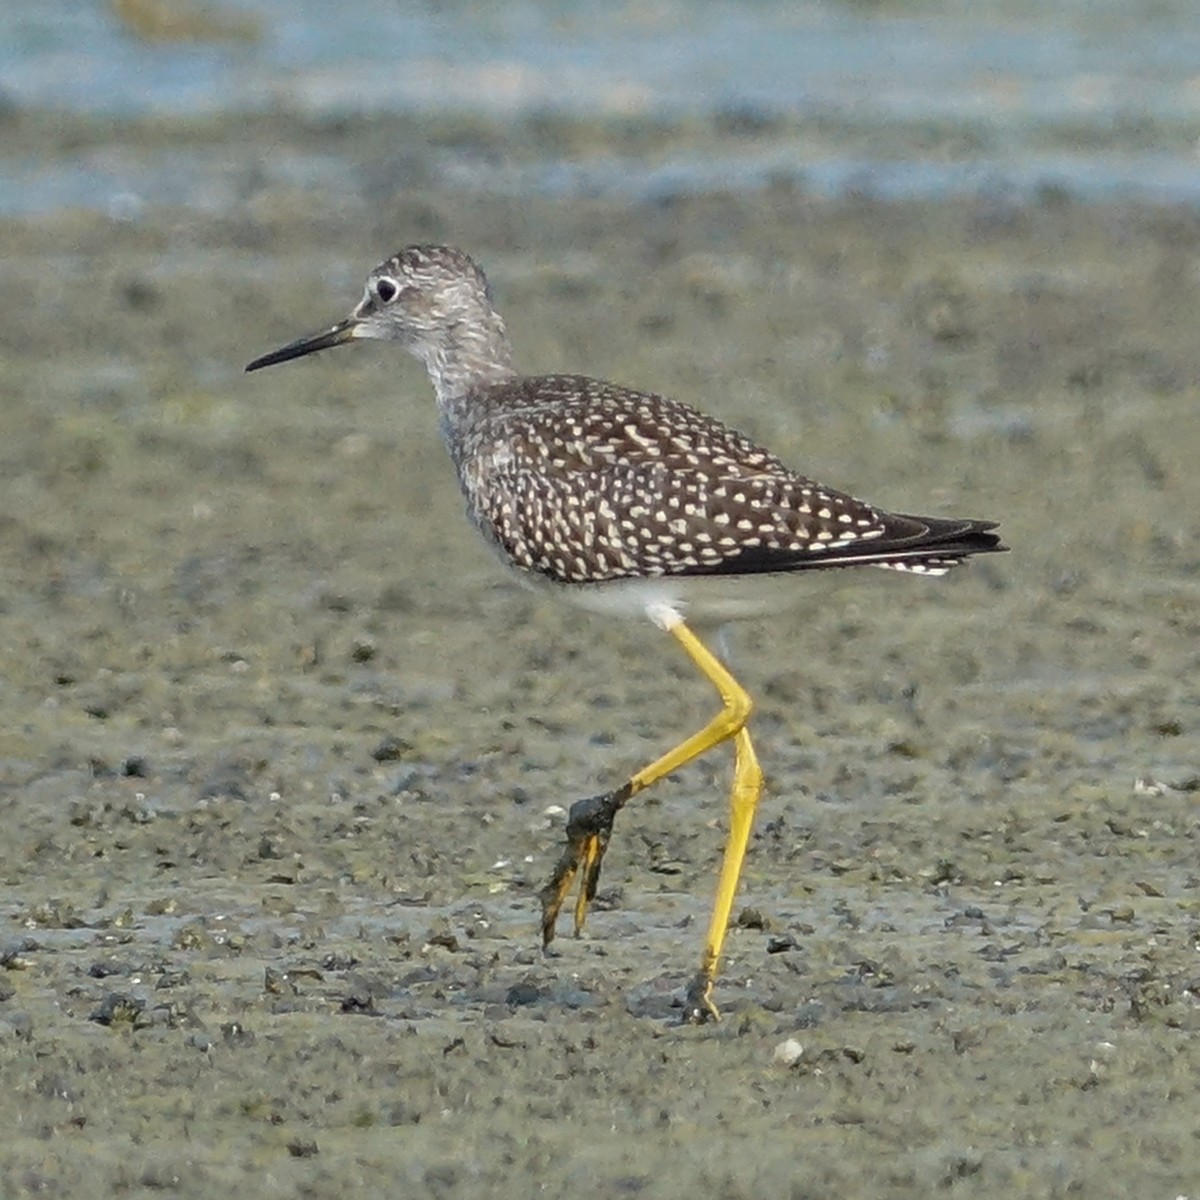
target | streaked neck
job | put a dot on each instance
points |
(471, 355)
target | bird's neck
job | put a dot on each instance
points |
(472, 355)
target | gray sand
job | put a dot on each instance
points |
(282, 748)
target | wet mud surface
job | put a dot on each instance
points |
(285, 758)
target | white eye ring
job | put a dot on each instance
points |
(386, 290)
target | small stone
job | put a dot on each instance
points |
(390, 749)
(520, 995)
(752, 918)
(118, 1008)
(788, 1053)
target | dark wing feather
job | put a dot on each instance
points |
(587, 482)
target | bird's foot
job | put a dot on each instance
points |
(698, 1006)
(589, 827)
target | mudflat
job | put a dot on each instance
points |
(285, 756)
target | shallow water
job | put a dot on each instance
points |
(1016, 63)
(1095, 97)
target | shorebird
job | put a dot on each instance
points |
(629, 503)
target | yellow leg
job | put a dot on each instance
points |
(743, 803)
(589, 824)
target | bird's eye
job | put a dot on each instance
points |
(387, 290)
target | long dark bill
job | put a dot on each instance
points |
(342, 332)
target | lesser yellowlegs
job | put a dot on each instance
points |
(629, 503)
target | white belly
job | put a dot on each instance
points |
(708, 599)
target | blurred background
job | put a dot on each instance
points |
(1097, 97)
